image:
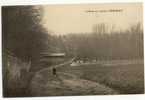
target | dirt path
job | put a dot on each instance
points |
(45, 84)
(56, 66)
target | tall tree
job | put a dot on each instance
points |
(22, 32)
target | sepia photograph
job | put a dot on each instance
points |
(72, 49)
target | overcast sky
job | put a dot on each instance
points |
(63, 19)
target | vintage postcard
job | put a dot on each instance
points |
(72, 49)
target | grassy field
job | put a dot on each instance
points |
(126, 78)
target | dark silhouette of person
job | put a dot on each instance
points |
(54, 71)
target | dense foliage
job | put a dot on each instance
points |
(23, 34)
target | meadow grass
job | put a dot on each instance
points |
(127, 79)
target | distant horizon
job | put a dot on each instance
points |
(115, 31)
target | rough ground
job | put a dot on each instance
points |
(46, 84)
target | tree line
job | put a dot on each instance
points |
(104, 45)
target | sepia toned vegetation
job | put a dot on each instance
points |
(24, 39)
(107, 46)
(126, 79)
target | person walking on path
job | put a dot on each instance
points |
(54, 71)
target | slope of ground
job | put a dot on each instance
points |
(46, 84)
(127, 78)
(90, 79)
